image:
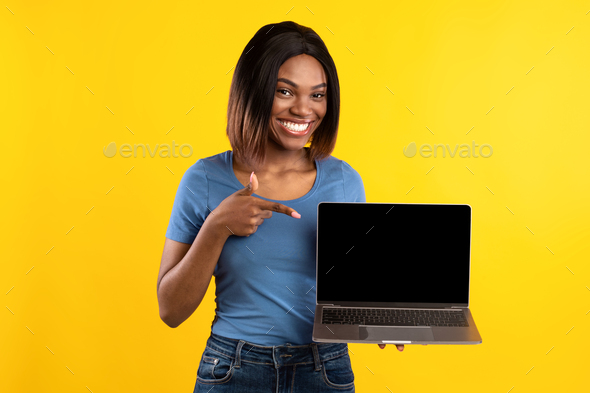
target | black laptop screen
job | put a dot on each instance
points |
(393, 253)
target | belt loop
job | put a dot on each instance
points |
(274, 359)
(316, 357)
(238, 351)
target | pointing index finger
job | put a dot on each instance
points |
(278, 207)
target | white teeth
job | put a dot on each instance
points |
(294, 127)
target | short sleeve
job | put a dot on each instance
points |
(354, 189)
(190, 205)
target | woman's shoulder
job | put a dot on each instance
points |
(215, 162)
(205, 169)
(334, 164)
(218, 158)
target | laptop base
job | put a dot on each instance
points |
(406, 335)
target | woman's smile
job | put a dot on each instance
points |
(300, 128)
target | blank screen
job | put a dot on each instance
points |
(395, 253)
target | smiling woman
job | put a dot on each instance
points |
(283, 65)
(284, 95)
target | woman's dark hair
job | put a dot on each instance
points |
(253, 88)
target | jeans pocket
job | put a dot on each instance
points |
(215, 368)
(338, 372)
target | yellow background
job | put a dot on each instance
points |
(82, 234)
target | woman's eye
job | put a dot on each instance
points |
(283, 91)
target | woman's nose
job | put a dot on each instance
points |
(301, 107)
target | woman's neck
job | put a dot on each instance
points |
(277, 162)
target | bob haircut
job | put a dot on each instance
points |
(253, 88)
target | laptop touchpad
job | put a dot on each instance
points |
(378, 333)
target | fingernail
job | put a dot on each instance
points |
(295, 215)
(252, 174)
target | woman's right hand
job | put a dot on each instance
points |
(242, 214)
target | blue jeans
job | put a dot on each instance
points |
(230, 365)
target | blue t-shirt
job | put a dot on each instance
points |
(265, 283)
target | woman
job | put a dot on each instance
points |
(284, 95)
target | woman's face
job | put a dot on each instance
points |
(300, 101)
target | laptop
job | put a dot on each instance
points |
(393, 273)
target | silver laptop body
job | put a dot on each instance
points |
(393, 273)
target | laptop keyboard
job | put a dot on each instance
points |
(392, 317)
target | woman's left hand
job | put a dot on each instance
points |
(399, 347)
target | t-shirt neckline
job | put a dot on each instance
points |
(230, 155)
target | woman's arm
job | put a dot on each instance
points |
(185, 275)
(186, 271)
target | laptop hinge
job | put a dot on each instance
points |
(457, 307)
